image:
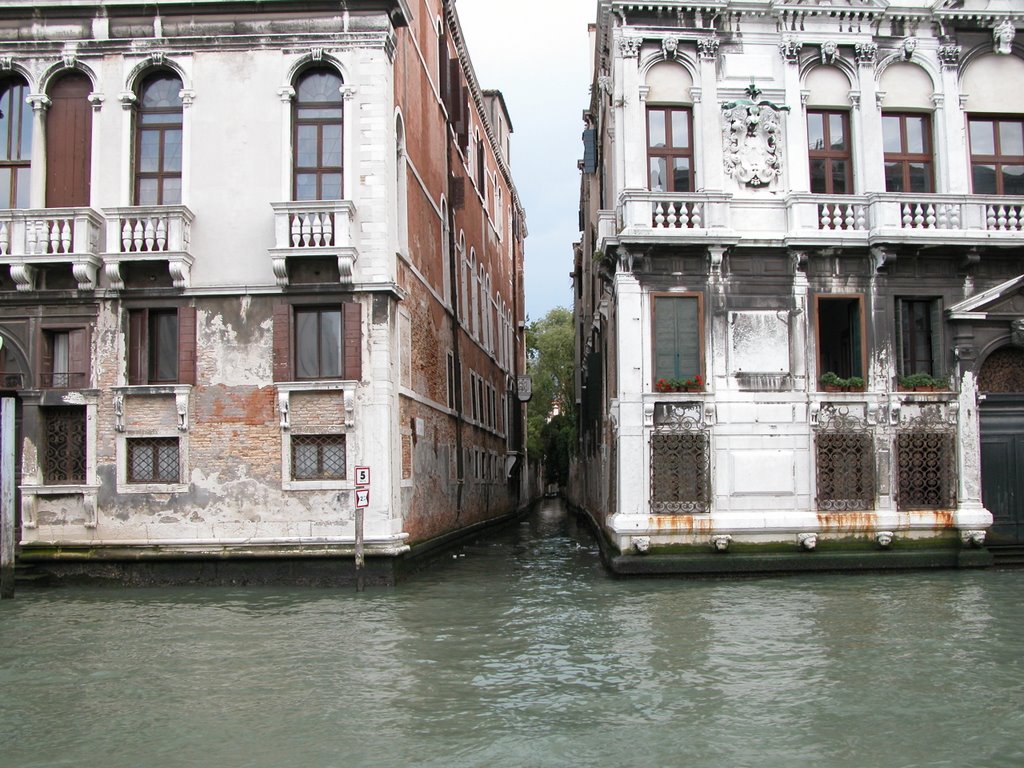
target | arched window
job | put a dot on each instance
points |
(15, 143)
(317, 139)
(158, 141)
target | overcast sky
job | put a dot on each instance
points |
(535, 53)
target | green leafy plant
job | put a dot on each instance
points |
(921, 381)
(832, 379)
(855, 383)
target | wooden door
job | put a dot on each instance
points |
(1002, 467)
(69, 142)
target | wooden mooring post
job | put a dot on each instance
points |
(6, 497)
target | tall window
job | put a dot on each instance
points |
(318, 350)
(840, 334)
(161, 346)
(158, 141)
(917, 327)
(907, 144)
(828, 149)
(15, 143)
(63, 460)
(669, 149)
(997, 155)
(677, 335)
(319, 109)
(65, 358)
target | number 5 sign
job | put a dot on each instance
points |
(362, 475)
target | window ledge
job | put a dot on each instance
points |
(317, 485)
(126, 488)
(152, 389)
(58, 490)
(320, 385)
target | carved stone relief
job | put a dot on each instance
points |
(751, 136)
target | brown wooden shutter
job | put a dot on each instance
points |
(352, 330)
(186, 345)
(68, 142)
(78, 357)
(137, 367)
(45, 360)
(283, 342)
(454, 90)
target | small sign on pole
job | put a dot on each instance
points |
(362, 497)
(362, 475)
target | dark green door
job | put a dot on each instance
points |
(1002, 467)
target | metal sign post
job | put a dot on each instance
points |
(362, 502)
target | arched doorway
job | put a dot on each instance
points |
(1001, 382)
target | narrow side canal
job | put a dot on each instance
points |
(519, 650)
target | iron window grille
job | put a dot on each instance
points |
(318, 457)
(153, 460)
(64, 446)
(926, 469)
(680, 460)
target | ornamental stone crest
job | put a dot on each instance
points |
(865, 53)
(949, 55)
(629, 47)
(669, 46)
(707, 47)
(751, 135)
(1002, 37)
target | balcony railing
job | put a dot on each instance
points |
(64, 380)
(660, 213)
(882, 217)
(149, 233)
(314, 228)
(30, 238)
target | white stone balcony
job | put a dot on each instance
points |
(314, 228)
(922, 219)
(673, 217)
(148, 233)
(31, 238)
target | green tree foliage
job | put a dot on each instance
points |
(549, 349)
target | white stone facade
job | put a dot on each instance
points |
(780, 268)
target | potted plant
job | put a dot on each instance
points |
(693, 384)
(663, 385)
(921, 382)
(832, 382)
(855, 384)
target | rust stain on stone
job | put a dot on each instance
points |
(846, 521)
(680, 523)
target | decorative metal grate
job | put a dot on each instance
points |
(318, 457)
(846, 471)
(926, 470)
(63, 450)
(680, 473)
(153, 460)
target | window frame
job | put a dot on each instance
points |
(155, 442)
(998, 159)
(141, 352)
(670, 152)
(285, 346)
(16, 158)
(320, 170)
(161, 128)
(829, 155)
(324, 438)
(862, 328)
(904, 340)
(904, 158)
(77, 357)
(73, 451)
(660, 295)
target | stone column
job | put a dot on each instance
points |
(951, 153)
(795, 161)
(707, 116)
(40, 102)
(632, 363)
(630, 115)
(871, 169)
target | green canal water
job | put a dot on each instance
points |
(520, 650)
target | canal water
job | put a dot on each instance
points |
(520, 650)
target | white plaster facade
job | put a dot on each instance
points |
(232, 250)
(759, 250)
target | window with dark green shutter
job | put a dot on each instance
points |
(917, 329)
(676, 337)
